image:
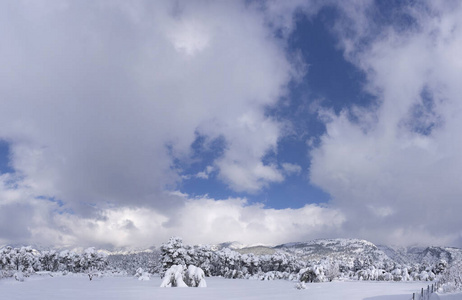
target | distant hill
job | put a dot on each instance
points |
(347, 250)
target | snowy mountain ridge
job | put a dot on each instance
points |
(128, 251)
(346, 250)
(230, 245)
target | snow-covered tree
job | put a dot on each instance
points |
(49, 260)
(203, 257)
(175, 253)
(130, 263)
(308, 275)
(13, 260)
(451, 278)
(440, 266)
(330, 268)
(93, 260)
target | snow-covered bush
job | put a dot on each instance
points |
(19, 276)
(426, 276)
(142, 275)
(180, 276)
(396, 273)
(308, 275)
(139, 272)
(300, 286)
(440, 266)
(195, 277)
(173, 277)
(324, 270)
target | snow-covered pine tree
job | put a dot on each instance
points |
(175, 253)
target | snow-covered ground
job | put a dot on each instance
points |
(80, 287)
(455, 296)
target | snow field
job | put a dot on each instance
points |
(78, 287)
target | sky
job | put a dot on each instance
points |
(123, 123)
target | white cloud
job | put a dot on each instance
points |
(202, 175)
(99, 95)
(403, 157)
(241, 166)
(249, 178)
(206, 173)
(26, 219)
(190, 37)
(291, 169)
(200, 220)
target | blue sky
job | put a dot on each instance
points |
(330, 79)
(4, 161)
(265, 122)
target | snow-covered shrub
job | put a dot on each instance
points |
(19, 276)
(440, 266)
(268, 276)
(173, 277)
(180, 276)
(142, 275)
(195, 277)
(139, 272)
(308, 275)
(396, 273)
(388, 277)
(300, 286)
(92, 274)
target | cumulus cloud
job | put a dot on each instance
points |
(101, 96)
(396, 164)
